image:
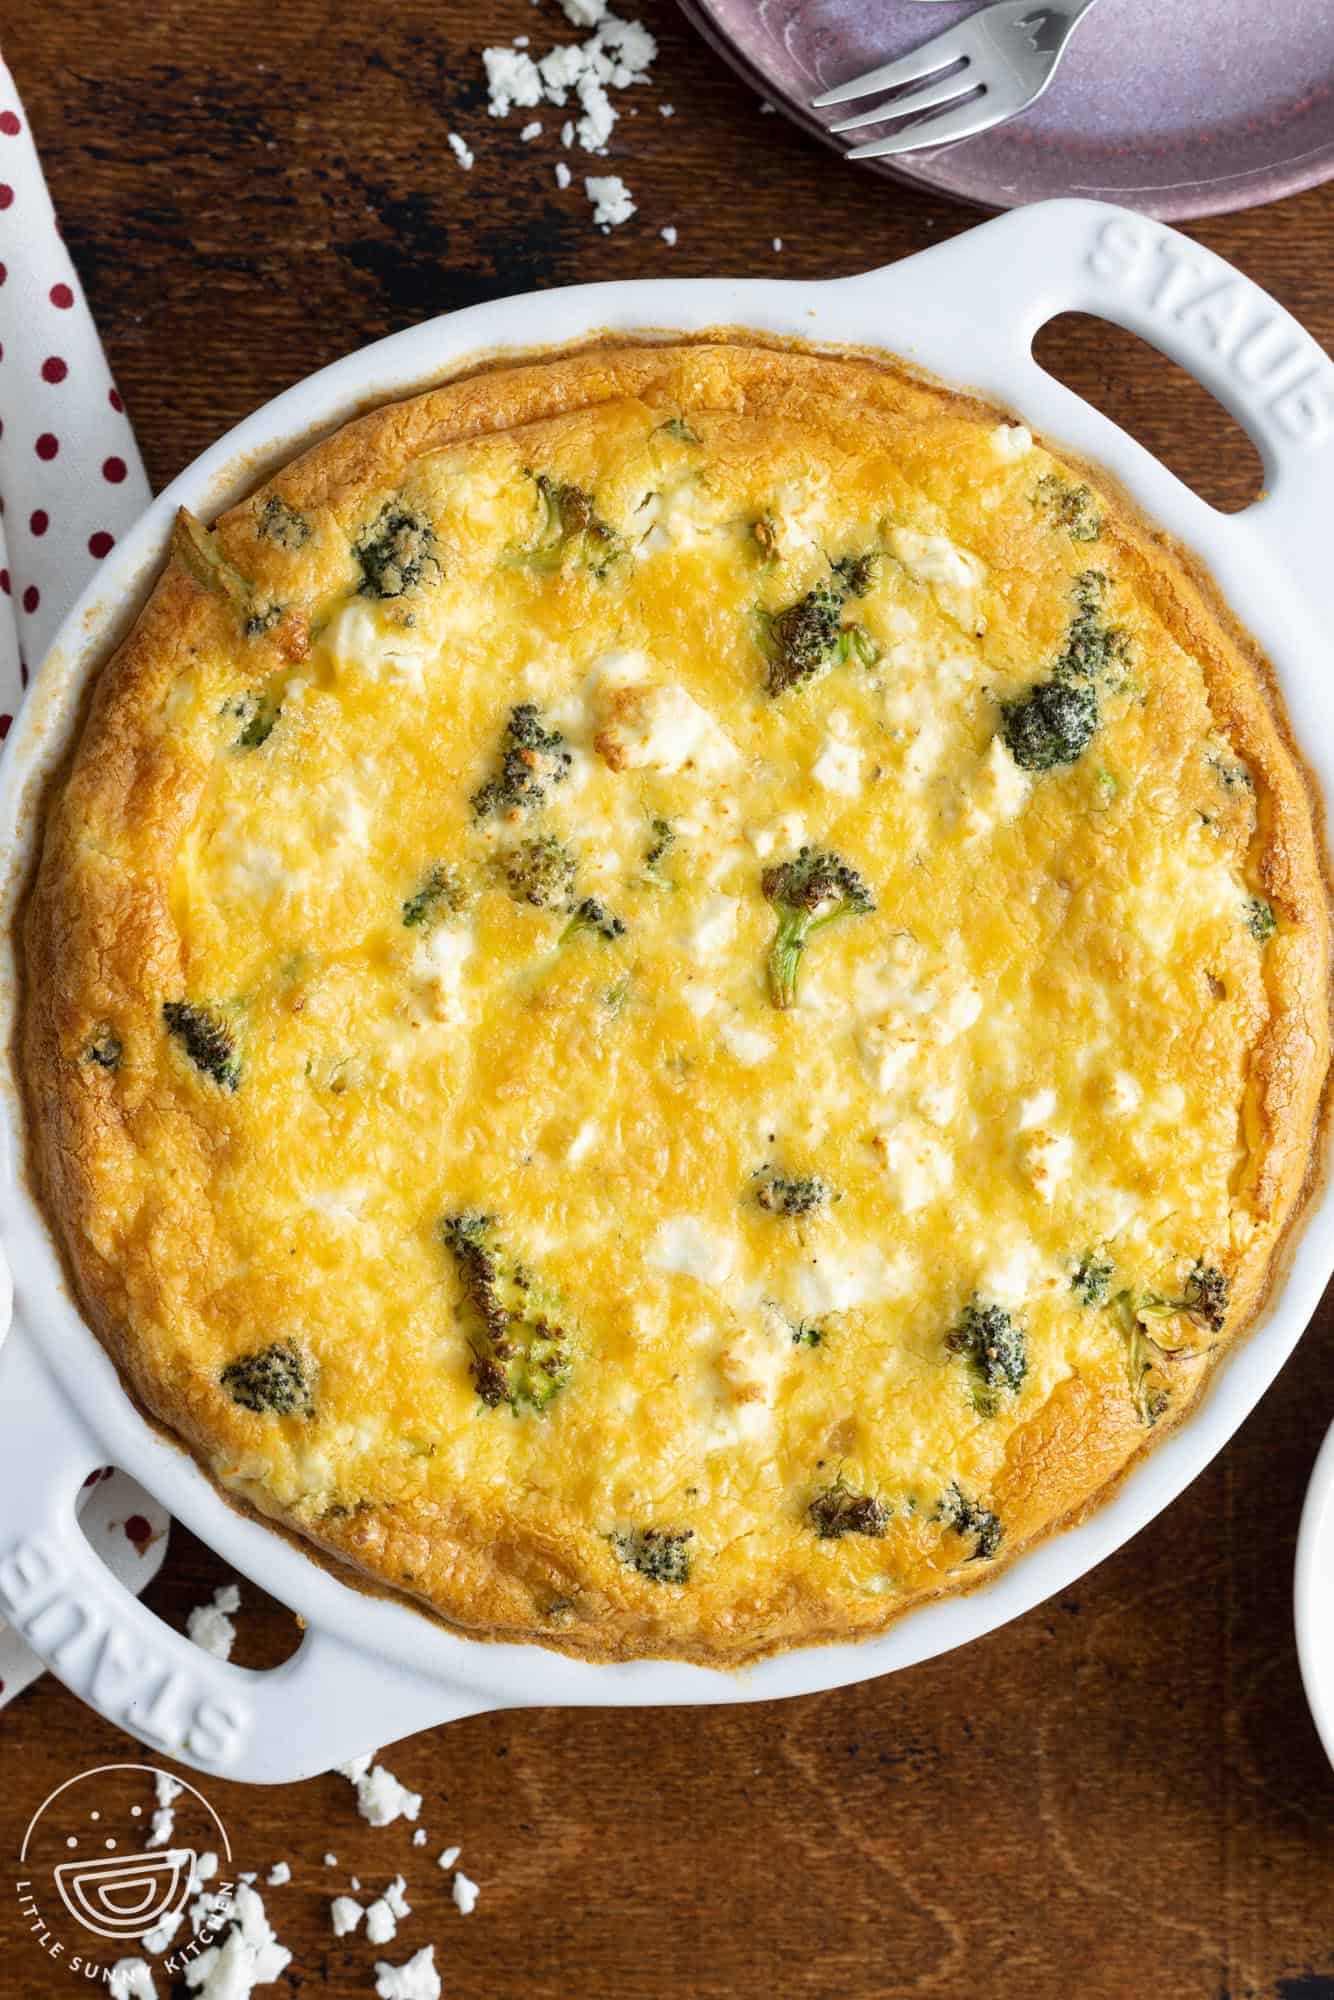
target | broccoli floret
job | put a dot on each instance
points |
(790, 1194)
(197, 549)
(857, 574)
(1052, 724)
(1260, 919)
(273, 1382)
(1092, 646)
(1143, 1357)
(1231, 772)
(839, 1511)
(397, 552)
(804, 640)
(678, 428)
(662, 836)
(207, 1037)
(520, 1348)
(259, 713)
(662, 1554)
(539, 871)
(591, 915)
(532, 758)
(993, 1345)
(442, 893)
(967, 1517)
(809, 637)
(570, 526)
(1070, 507)
(104, 1049)
(1203, 1299)
(263, 619)
(282, 524)
(815, 888)
(1091, 1283)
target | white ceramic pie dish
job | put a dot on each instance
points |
(1313, 1594)
(369, 1669)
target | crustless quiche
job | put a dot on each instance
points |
(675, 995)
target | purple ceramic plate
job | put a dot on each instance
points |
(1175, 107)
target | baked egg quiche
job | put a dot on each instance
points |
(675, 996)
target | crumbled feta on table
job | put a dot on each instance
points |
(248, 1956)
(380, 1797)
(417, 1980)
(163, 1822)
(345, 1913)
(210, 1625)
(611, 199)
(131, 1979)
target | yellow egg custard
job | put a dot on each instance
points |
(675, 995)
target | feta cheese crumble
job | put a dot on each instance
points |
(1010, 441)
(462, 153)
(210, 1625)
(612, 204)
(249, 1955)
(417, 1980)
(683, 1243)
(511, 78)
(279, 1875)
(163, 1822)
(465, 1894)
(1046, 1158)
(617, 55)
(381, 1927)
(345, 1913)
(656, 726)
(131, 1979)
(380, 1797)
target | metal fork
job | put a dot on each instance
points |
(998, 61)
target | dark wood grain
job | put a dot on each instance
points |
(1120, 1795)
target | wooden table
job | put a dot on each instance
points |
(1122, 1794)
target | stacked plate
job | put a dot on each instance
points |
(1174, 110)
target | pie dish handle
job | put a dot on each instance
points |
(1022, 269)
(325, 1705)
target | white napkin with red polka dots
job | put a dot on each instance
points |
(70, 473)
(71, 482)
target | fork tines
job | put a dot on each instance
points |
(958, 87)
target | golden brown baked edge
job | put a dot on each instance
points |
(485, 1576)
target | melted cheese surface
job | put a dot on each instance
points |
(1035, 1047)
